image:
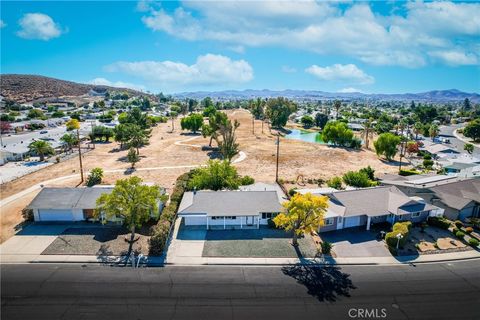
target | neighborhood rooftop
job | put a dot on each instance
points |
(229, 203)
(458, 194)
(68, 198)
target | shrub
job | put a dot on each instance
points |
(356, 143)
(460, 234)
(369, 171)
(473, 242)
(27, 214)
(357, 179)
(292, 192)
(326, 247)
(400, 227)
(468, 230)
(408, 172)
(428, 164)
(455, 230)
(271, 224)
(458, 224)
(246, 180)
(439, 222)
(159, 237)
(95, 177)
(335, 182)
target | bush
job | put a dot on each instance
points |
(326, 247)
(408, 172)
(335, 182)
(439, 222)
(95, 177)
(428, 164)
(246, 180)
(357, 179)
(356, 143)
(400, 227)
(271, 224)
(460, 234)
(369, 171)
(455, 230)
(27, 214)
(159, 237)
(292, 192)
(458, 224)
(468, 230)
(473, 242)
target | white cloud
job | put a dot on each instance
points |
(403, 37)
(209, 69)
(288, 69)
(117, 84)
(455, 57)
(2, 24)
(341, 73)
(349, 90)
(237, 49)
(38, 26)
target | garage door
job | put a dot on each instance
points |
(351, 222)
(55, 215)
(195, 221)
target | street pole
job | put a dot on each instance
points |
(80, 155)
(278, 152)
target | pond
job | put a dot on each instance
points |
(307, 136)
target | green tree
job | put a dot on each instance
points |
(133, 157)
(307, 121)
(358, 179)
(335, 183)
(41, 148)
(213, 127)
(367, 132)
(278, 110)
(304, 214)
(35, 114)
(338, 133)
(417, 129)
(467, 106)
(69, 140)
(337, 104)
(386, 145)
(468, 147)
(132, 201)
(257, 108)
(472, 130)
(321, 120)
(217, 175)
(138, 137)
(122, 134)
(95, 177)
(228, 145)
(192, 122)
(208, 111)
(433, 131)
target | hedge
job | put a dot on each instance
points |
(439, 222)
(473, 242)
(408, 172)
(159, 232)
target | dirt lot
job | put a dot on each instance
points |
(296, 158)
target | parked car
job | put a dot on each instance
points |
(43, 131)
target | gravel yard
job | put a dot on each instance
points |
(263, 242)
(100, 241)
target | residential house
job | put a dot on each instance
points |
(229, 209)
(364, 207)
(458, 197)
(68, 204)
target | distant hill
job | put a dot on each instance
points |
(431, 96)
(25, 88)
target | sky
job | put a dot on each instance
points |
(342, 46)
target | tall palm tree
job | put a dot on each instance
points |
(337, 104)
(41, 148)
(417, 128)
(433, 131)
(367, 132)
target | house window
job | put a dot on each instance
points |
(416, 214)
(231, 218)
(328, 221)
(226, 218)
(269, 215)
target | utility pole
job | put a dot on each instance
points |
(278, 153)
(80, 154)
(402, 151)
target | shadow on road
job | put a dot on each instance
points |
(325, 283)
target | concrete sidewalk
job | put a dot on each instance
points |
(158, 261)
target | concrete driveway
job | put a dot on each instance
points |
(350, 243)
(31, 241)
(187, 243)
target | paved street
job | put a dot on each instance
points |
(447, 131)
(428, 291)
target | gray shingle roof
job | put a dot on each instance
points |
(458, 194)
(374, 202)
(68, 198)
(229, 203)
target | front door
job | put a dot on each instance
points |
(250, 221)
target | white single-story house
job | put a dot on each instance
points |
(229, 209)
(364, 207)
(69, 204)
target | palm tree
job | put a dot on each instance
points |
(69, 140)
(337, 104)
(367, 132)
(417, 128)
(138, 137)
(433, 131)
(41, 148)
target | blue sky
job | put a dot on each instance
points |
(377, 47)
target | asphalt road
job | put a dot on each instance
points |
(428, 291)
(447, 131)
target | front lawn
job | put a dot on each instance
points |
(257, 243)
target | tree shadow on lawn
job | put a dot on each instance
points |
(394, 163)
(324, 283)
